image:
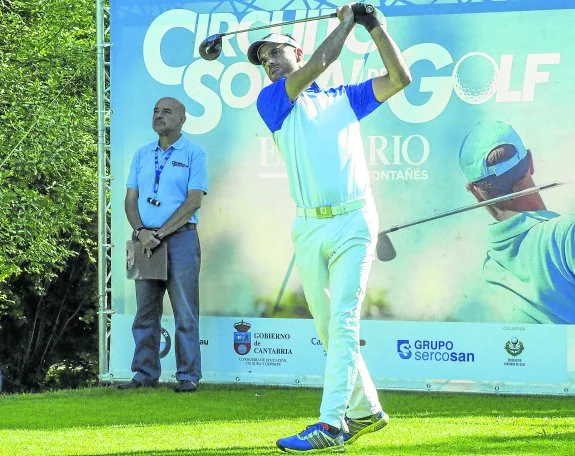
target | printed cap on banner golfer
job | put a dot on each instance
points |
(480, 142)
(276, 38)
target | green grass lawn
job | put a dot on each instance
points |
(246, 420)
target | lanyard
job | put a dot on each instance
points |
(160, 168)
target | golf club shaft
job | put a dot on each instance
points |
(489, 202)
(278, 24)
(283, 286)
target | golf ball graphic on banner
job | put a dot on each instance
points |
(475, 75)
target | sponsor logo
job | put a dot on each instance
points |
(404, 349)
(165, 342)
(179, 164)
(263, 337)
(242, 338)
(514, 347)
(432, 351)
(243, 344)
(388, 158)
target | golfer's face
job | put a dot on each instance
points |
(278, 60)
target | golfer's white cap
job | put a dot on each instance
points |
(478, 144)
(271, 38)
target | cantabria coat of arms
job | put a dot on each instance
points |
(242, 338)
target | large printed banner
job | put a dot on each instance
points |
(430, 318)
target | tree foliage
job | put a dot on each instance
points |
(48, 187)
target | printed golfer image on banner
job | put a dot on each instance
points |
(470, 165)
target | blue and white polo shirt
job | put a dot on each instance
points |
(319, 138)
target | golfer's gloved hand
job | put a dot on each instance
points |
(362, 17)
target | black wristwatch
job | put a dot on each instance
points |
(136, 232)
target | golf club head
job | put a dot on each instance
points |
(211, 47)
(385, 250)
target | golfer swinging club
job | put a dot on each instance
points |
(334, 234)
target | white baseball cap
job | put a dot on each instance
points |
(478, 144)
(271, 38)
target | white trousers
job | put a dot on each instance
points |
(334, 257)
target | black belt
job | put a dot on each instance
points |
(186, 227)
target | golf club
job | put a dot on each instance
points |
(211, 47)
(280, 295)
(386, 250)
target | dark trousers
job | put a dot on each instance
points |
(182, 285)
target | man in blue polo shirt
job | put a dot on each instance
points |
(167, 182)
(530, 263)
(334, 234)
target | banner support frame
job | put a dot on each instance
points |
(104, 227)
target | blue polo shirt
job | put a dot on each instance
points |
(185, 170)
(531, 266)
(319, 138)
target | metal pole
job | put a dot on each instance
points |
(102, 216)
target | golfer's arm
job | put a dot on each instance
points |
(324, 56)
(131, 208)
(179, 218)
(398, 76)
